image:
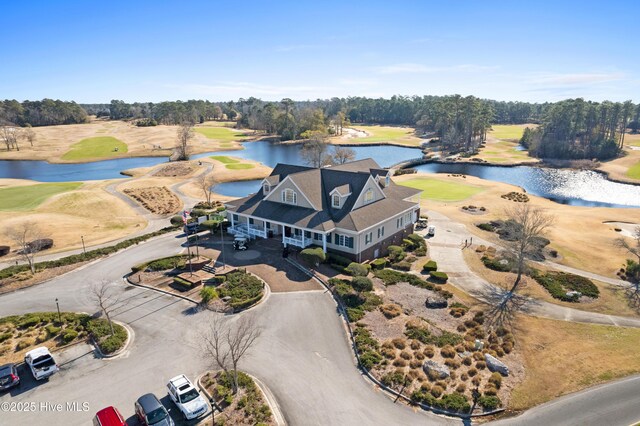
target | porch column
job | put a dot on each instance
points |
(232, 222)
(324, 243)
(264, 225)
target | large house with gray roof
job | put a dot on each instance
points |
(353, 209)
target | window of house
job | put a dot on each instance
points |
(235, 217)
(336, 200)
(381, 232)
(317, 236)
(387, 180)
(266, 188)
(289, 196)
(368, 196)
(307, 234)
(343, 240)
(399, 222)
(368, 238)
(250, 221)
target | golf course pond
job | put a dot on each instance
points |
(567, 186)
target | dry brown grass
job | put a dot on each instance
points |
(592, 251)
(52, 142)
(563, 357)
(618, 168)
(611, 301)
(157, 199)
(89, 211)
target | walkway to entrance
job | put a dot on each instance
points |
(263, 258)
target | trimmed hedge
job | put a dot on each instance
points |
(313, 256)
(78, 258)
(361, 284)
(378, 263)
(489, 402)
(494, 264)
(439, 277)
(336, 259)
(357, 270)
(396, 253)
(430, 266)
(163, 264)
(243, 289)
(183, 283)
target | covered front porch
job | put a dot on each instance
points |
(252, 227)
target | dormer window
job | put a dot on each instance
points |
(289, 196)
(266, 188)
(368, 196)
(335, 201)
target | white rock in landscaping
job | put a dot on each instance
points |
(442, 371)
(494, 364)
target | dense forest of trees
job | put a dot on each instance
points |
(46, 112)
(578, 129)
(569, 129)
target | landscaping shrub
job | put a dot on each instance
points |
(333, 258)
(481, 365)
(393, 379)
(437, 391)
(370, 358)
(355, 314)
(187, 285)
(448, 352)
(5, 336)
(399, 343)
(399, 362)
(416, 239)
(171, 262)
(357, 270)
(313, 256)
(494, 264)
(101, 333)
(24, 344)
(439, 277)
(208, 294)
(4, 250)
(496, 379)
(458, 310)
(176, 220)
(361, 284)
(421, 251)
(455, 402)
(401, 266)
(378, 263)
(489, 402)
(390, 310)
(558, 283)
(429, 352)
(210, 225)
(69, 335)
(396, 253)
(486, 227)
(430, 266)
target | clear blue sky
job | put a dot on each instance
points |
(222, 50)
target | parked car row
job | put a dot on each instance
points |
(150, 411)
(39, 361)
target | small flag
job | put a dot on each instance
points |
(185, 216)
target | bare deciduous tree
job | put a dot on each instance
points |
(226, 344)
(632, 248)
(106, 299)
(343, 155)
(10, 136)
(205, 183)
(315, 151)
(29, 134)
(526, 225)
(29, 239)
(185, 134)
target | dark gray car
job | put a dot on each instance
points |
(150, 411)
(8, 376)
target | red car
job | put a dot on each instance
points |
(109, 416)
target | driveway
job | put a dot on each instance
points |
(303, 356)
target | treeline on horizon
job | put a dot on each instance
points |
(573, 128)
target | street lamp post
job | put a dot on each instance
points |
(84, 250)
(58, 307)
(222, 245)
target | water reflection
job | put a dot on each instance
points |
(574, 187)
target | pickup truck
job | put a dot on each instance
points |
(186, 397)
(41, 363)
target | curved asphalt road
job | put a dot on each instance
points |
(303, 356)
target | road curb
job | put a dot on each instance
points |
(168, 293)
(121, 351)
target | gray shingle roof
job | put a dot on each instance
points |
(317, 184)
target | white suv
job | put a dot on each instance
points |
(41, 363)
(186, 397)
